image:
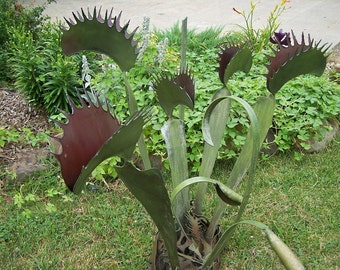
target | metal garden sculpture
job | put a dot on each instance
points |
(186, 239)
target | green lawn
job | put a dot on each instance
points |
(108, 229)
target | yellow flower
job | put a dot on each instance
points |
(284, 2)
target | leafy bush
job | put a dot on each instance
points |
(14, 15)
(307, 108)
(40, 70)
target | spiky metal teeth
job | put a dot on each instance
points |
(89, 31)
(111, 20)
(172, 91)
(289, 61)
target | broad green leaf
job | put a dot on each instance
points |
(121, 144)
(174, 136)
(242, 61)
(103, 35)
(148, 187)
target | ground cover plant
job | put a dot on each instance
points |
(13, 16)
(186, 239)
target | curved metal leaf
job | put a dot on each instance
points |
(103, 35)
(217, 110)
(208, 113)
(294, 60)
(121, 144)
(234, 59)
(264, 109)
(260, 121)
(172, 92)
(216, 123)
(224, 240)
(213, 127)
(286, 255)
(85, 132)
(149, 188)
(228, 195)
(174, 137)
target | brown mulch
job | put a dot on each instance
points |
(16, 113)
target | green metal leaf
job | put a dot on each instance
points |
(121, 144)
(286, 255)
(214, 125)
(295, 60)
(264, 109)
(224, 240)
(174, 137)
(103, 35)
(228, 195)
(260, 121)
(172, 92)
(148, 187)
(234, 59)
(215, 117)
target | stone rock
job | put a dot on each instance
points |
(56, 146)
(335, 54)
(317, 146)
(28, 162)
(333, 61)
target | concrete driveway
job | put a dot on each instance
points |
(320, 18)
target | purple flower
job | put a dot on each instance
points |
(280, 38)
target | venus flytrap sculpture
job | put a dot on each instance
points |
(186, 239)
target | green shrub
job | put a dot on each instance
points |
(40, 70)
(14, 15)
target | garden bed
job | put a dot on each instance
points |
(18, 117)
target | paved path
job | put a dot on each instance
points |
(320, 18)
